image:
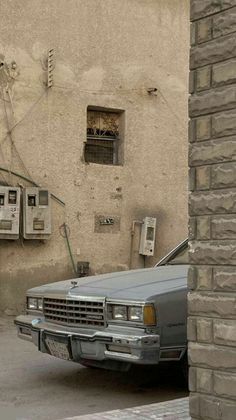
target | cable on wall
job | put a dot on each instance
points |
(59, 201)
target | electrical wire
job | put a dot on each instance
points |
(117, 91)
(4, 161)
(29, 110)
(8, 126)
(101, 91)
(33, 183)
(10, 131)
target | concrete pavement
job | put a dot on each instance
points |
(40, 387)
(171, 410)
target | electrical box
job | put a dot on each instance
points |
(83, 268)
(9, 212)
(148, 233)
(37, 213)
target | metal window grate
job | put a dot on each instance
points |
(100, 151)
(102, 137)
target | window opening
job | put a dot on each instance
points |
(31, 200)
(12, 195)
(2, 199)
(102, 137)
(43, 198)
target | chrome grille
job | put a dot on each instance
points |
(74, 312)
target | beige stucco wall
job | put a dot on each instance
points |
(108, 54)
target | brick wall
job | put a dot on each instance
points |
(212, 210)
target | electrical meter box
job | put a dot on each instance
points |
(37, 213)
(148, 233)
(9, 212)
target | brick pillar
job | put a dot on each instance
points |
(212, 210)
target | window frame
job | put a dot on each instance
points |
(114, 138)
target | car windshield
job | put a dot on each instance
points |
(178, 255)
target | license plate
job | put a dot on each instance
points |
(57, 348)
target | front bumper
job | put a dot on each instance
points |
(114, 343)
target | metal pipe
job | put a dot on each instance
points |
(132, 240)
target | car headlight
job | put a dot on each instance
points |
(135, 313)
(141, 314)
(119, 312)
(34, 303)
(40, 304)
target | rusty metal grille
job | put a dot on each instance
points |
(74, 312)
(100, 151)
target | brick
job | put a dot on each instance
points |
(192, 379)
(192, 228)
(208, 202)
(200, 277)
(201, 8)
(204, 330)
(224, 278)
(225, 385)
(224, 73)
(212, 100)
(228, 409)
(224, 23)
(215, 408)
(192, 179)
(192, 277)
(212, 356)
(212, 305)
(224, 227)
(209, 408)
(192, 130)
(224, 124)
(203, 177)
(191, 87)
(204, 380)
(203, 227)
(224, 332)
(193, 33)
(212, 151)
(204, 277)
(203, 128)
(223, 175)
(204, 30)
(213, 252)
(213, 51)
(203, 78)
(191, 329)
(194, 405)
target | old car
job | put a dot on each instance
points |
(113, 320)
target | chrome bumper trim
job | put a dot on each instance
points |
(93, 344)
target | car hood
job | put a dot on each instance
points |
(134, 284)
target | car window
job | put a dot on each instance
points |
(178, 255)
(181, 258)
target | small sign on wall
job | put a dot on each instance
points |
(106, 224)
